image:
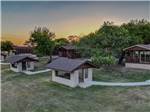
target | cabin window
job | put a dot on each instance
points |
(136, 53)
(14, 65)
(62, 74)
(86, 73)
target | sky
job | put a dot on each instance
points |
(66, 18)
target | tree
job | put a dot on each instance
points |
(73, 38)
(58, 43)
(42, 40)
(110, 38)
(61, 42)
(87, 40)
(139, 29)
(114, 38)
(6, 46)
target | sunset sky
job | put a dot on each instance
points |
(66, 18)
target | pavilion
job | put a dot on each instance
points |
(138, 56)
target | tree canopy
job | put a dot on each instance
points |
(42, 40)
(139, 29)
(108, 41)
(111, 39)
(6, 45)
(61, 41)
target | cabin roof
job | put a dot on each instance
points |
(17, 58)
(67, 64)
(68, 47)
(143, 46)
(22, 49)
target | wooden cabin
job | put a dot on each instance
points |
(22, 50)
(138, 56)
(69, 51)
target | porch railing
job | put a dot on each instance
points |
(137, 60)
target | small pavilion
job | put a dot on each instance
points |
(22, 62)
(138, 56)
(72, 72)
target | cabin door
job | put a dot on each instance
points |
(23, 65)
(81, 75)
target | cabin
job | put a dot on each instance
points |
(69, 51)
(137, 56)
(22, 50)
(3, 56)
(19, 63)
(71, 72)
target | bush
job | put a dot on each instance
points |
(101, 60)
(99, 56)
(85, 52)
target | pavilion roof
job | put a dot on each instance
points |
(143, 46)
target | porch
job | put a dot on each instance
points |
(141, 57)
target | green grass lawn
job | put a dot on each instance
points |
(37, 93)
(120, 74)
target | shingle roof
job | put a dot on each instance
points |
(67, 64)
(145, 46)
(69, 47)
(17, 58)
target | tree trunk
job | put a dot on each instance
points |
(121, 58)
(50, 59)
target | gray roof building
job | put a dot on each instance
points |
(18, 58)
(68, 65)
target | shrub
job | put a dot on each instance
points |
(103, 60)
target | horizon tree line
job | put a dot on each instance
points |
(107, 41)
